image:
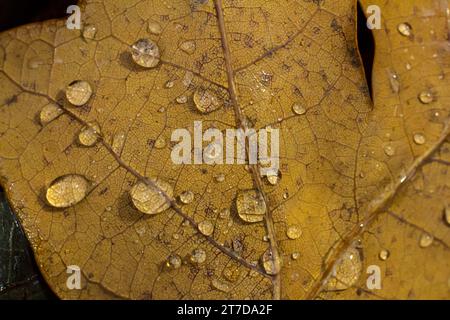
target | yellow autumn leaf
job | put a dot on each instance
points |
(86, 120)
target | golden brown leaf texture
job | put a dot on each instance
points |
(355, 179)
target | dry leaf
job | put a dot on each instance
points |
(358, 181)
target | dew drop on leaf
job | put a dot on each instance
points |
(250, 206)
(198, 256)
(145, 53)
(220, 177)
(224, 213)
(384, 254)
(78, 92)
(154, 27)
(294, 232)
(89, 31)
(67, 190)
(295, 255)
(88, 136)
(174, 261)
(188, 46)
(346, 272)
(206, 101)
(271, 264)
(220, 285)
(405, 29)
(389, 150)
(169, 84)
(426, 97)
(426, 240)
(118, 142)
(272, 179)
(187, 197)
(49, 113)
(35, 62)
(181, 99)
(298, 109)
(150, 199)
(206, 228)
(160, 143)
(419, 138)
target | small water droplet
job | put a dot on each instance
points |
(154, 27)
(405, 29)
(426, 240)
(393, 80)
(294, 232)
(408, 66)
(187, 197)
(118, 142)
(206, 228)
(206, 101)
(174, 261)
(298, 109)
(188, 46)
(224, 213)
(145, 53)
(181, 99)
(220, 285)
(419, 138)
(198, 256)
(89, 31)
(250, 206)
(78, 92)
(89, 135)
(49, 113)
(426, 97)
(220, 177)
(169, 84)
(295, 255)
(273, 179)
(389, 150)
(150, 199)
(67, 190)
(346, 272)
(160, 143)
(384, 254)
(271, 264)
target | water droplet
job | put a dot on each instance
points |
(49, 113)
(272, 179)
(408, 66)
(154, 27)
(145, 53)
(187, 197)
(220, 177)
(174, 261)
(426, 240)
(206, 101)
(393, 80)
(295, 255)
(181, 99)
(198, 256)
(89, 135)
(35, 62)
(298, 109)
(89, 32)
(78, 92)
(384, 254)
(426, 97)
(419, 139)
(271, 264)
(347, 271)
(169, 84)
(389, 150)
(220, 285)
(150, 199)
(67, 190)
(447, 214)
(224, 213)
(294, 232)
(250, 206)
(118, 142)
(188, 46)
(206, 228)
(160, 143)
(405, 29)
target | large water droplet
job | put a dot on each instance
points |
(347, 271)
(405, 29)
(145, 53)
(67, 190)
(250, 206)
(294, 232)
(271, 264)
(150, 199)
(89, 135)
(426, 240)
(49, 113)
(78, 92)
(188, 46)
(206, 101)
(187, 197)
(198, 256)
(206, 228)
